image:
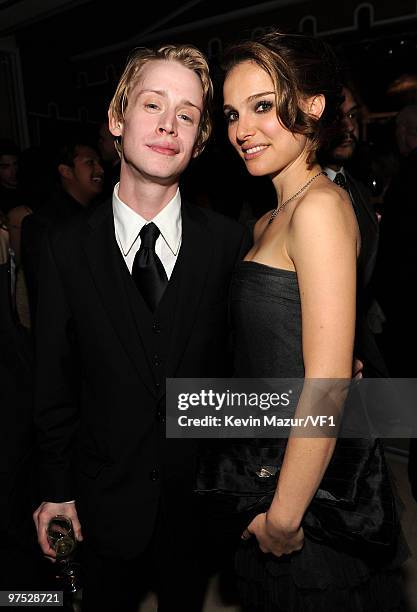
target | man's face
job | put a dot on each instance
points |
(345, 147)
(8, 171)
(161, 122)
(87, 173)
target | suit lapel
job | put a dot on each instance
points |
(368, 225)
(360, 201)
(106, 264)
(193, 266)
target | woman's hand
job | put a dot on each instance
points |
(273, 537)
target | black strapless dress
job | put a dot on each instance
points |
(266, 318)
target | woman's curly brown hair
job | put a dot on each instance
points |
(300, 67)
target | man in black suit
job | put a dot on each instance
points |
(20, 559)
(80, 181)
(333, 159)
(397, 262)
(139, 290)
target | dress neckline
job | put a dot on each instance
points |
(267, 267)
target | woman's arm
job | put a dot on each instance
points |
(322, 244)
(14, 222)
(323, 247)
(4, 245)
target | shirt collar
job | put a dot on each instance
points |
(332, 173)
(128, 223)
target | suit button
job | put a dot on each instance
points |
(156, 328)
(154, 475)
(157, 384)
(156, 360)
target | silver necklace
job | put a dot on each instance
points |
(281, 206)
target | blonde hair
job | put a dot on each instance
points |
(187, 55)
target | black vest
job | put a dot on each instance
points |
(155, 329)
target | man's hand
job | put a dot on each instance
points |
(272, 537)
(46, 512)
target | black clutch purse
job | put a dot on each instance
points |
(354, 508)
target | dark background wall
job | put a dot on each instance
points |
(71, 55)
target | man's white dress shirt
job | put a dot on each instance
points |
(332, 173)
(128, 223)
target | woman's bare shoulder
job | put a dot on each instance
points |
(16, 215)
(4, 245)
(325, 203)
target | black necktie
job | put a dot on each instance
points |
(340, 180)
(148, 271)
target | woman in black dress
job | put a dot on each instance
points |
(293, 304)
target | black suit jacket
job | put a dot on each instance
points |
(99, 401)
(366, 347)
(368, 226)
(59, 209)
(396, 269)
(16, 436)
